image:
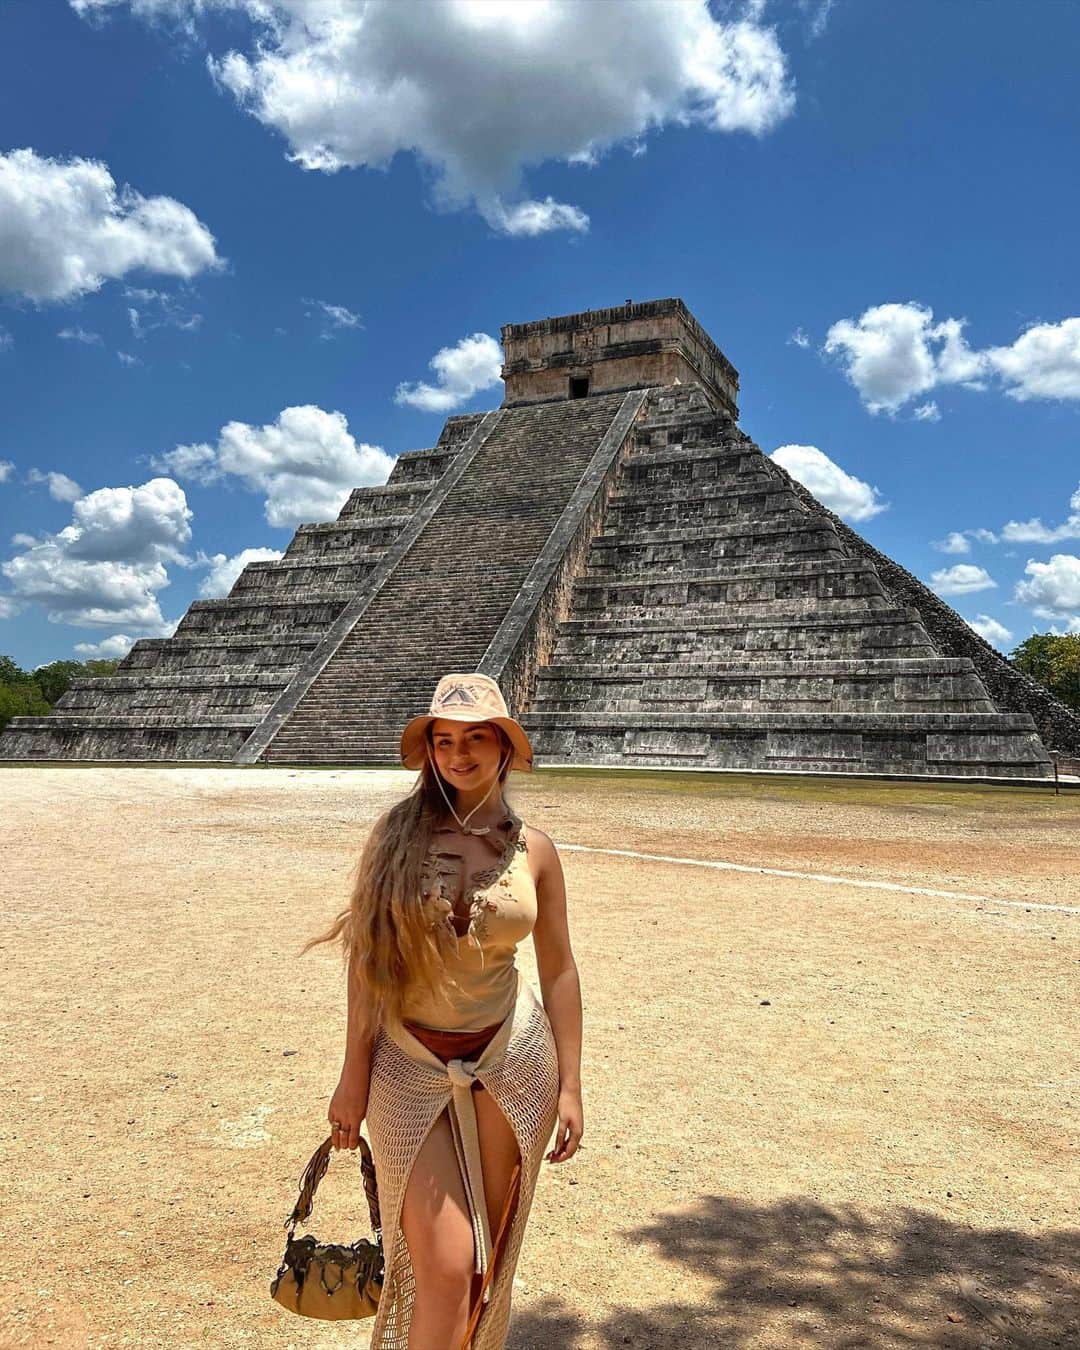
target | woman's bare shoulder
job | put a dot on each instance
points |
(540, 846)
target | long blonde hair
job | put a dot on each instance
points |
(386, 934)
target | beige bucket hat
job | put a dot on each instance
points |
(466, 698)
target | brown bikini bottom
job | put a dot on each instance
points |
(448, 1045)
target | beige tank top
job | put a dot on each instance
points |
(501, 903)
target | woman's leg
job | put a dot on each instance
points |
(435, 1221)
(499, 1153)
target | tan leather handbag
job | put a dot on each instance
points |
(331, 1280)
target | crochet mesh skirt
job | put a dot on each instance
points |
(405, 1099)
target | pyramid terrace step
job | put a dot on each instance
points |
(424, 465)
(725, 668)
(312, 574)
(298, 611)
(927, 744)
(386, 499)
(758, 491)
(837, 636)
(736, 721)
(787, 538)
(832, 569)
(814, 687)
(329, 535)
(697, 587)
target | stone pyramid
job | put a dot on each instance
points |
(648, 588)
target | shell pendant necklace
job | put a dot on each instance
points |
(463, 825)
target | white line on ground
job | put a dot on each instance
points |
(818, 876)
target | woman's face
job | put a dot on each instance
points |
(467, 754)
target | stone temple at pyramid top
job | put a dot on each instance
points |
(608, 351)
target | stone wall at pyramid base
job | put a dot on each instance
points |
(942, 744)
(125, 739)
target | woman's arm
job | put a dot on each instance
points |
(358, 1043)
(348, 1105)
(560, 988)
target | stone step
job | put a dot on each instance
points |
(886, 632)
(979, 744)
(87, 739)
(274, 653)
(346, 539)
(387, 499)
(313, 612)
(819, 584)
(290, 575)
(413, 466)
(814, 687)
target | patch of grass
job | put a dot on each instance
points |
(1035, 801)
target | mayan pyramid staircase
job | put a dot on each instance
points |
(452, 590)
(721, 622)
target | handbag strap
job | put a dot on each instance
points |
(314, 1173)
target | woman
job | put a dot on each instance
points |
(458, 1069)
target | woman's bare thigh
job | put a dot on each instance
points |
(499, 1153)
(434, 1210)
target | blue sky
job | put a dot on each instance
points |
(230, 251)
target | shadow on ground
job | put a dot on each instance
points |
(802, 1274)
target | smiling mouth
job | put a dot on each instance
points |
(463, 772)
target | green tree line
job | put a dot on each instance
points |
(31, 693)
(1054, 661)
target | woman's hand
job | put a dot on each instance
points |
(571, 1125)
(348, 1106)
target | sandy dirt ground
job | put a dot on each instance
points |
(816, 1114)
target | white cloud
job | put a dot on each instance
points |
(9, 607)
(126, 359)
(159, 310)
(799, 338)
(1044, 362)
(480, 90)
(6, 468)
(530, 218)
(76, 334)
(106, 567)
(958, 541)
(150, 523)
(65, 229)
(955, 541)
(224, 570)
(893, 353)
(6, 340)
(963, 579)
(339, 316)
(817, 15)
(306, 463)
(841, 492)
(475, 363)
(1035, 532)
(61, 487)
(113, 648)
(1052, 588)
(994, 633)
